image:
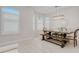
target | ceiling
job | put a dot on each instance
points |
(48, 9)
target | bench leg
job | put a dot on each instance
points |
(43, 38)
(75, 43)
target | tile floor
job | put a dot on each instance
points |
(36, 45)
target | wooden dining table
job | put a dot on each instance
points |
(56, 36)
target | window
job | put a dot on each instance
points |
(10, 20)
(47, 22)
(40, 21)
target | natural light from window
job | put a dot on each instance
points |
(10, 20)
